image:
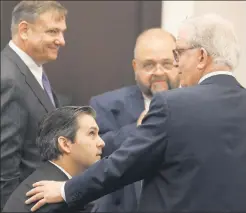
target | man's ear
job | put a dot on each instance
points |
(134, 65)
(203, 59)
(64, 145)
(23, 30)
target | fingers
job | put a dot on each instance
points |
(41, 183)
(35, 198)
(38, 205)
(34, 191)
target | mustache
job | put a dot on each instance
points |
(154, 79)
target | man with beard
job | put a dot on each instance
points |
(120, 111)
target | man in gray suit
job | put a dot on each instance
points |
(26, 96)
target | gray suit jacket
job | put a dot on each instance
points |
(23, 105)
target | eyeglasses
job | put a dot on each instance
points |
(149, 65)
(178, 52)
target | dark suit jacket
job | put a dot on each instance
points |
(23, 105)
(190, 150)
(47, 171)
(117, 113)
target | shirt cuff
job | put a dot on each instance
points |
(63, 191)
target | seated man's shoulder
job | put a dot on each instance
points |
(16, 201)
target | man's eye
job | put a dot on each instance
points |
(92, 133)
(167, 65)
(148, 66)
(52, 31)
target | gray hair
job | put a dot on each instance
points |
(217, 36)
(30, 10)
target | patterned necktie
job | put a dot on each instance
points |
(47, 87)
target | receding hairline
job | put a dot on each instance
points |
(158, 33)
(30, 11)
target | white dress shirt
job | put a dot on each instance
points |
(146, 102)
(36, 70)
(68, 175)
(215, 73)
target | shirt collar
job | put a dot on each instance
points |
(36, 70)
(215, 73)
(68, 175)
(146, 101)
(25, 57)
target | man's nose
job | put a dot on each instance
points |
(159, 70)
(101, 142)
(175, 63)
(60, 40)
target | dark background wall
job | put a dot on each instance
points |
(99, 45)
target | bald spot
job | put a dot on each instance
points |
(153, 42)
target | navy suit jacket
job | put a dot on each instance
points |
(190, 150)
(117, 113)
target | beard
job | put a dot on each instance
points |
(144, 89)
(153, 87)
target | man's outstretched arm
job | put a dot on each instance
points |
(138, 157)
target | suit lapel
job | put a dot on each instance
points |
(135, 103)
(30, 80)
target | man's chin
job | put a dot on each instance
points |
(159, 87)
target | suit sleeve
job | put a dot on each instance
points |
(112, 135)
(139, 156)
(13, 128)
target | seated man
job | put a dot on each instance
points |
(69, 143)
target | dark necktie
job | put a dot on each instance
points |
(47, 87)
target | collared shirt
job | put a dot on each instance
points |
(36, 70)
(215, 73)
(63, 185)
(68, 175)
(146, 102)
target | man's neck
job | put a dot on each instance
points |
(21, 46)
(68, 166)
(215, 68)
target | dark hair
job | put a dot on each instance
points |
(60, 122)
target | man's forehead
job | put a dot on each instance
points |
(87, 121)
(52, 17)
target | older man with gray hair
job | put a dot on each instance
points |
(191, 147)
